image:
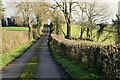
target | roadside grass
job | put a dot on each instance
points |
(8, 57)
(75, 69)
(30, 69)
(75, 33)
(15, 28)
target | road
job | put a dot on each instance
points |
(47, 67)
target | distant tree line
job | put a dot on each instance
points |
(9, 22)
(13, 21)
(91, 16)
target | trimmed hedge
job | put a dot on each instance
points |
(106, 58)
(12, 39)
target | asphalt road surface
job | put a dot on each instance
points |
(47, 67)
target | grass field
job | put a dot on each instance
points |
(15, 28)
(75, 33)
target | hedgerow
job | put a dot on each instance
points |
(106, 58)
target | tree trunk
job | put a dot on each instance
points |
(87, 34)
(67, 15)
(38, 30)
(81, 33)
(68, 30)
(91, 33)
(30, 29)
(119, 31)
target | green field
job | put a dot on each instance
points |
(15, 28)
(75, 33)
(74, 30)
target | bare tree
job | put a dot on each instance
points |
(42, 10)
(81, 13)
(36, 12)
(57, 19)
(19, 21)
(66, 6)
(116, 25)
(96, 12)
(25, 8)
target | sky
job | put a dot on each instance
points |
(113, 6)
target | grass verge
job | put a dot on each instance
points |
(30, 69)
(73, 68)
(6, 58)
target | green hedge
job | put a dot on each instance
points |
(106, 58)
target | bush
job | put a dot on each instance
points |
(104, 57)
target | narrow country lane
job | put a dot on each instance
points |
(47, 67)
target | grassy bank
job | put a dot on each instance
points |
(12, 39)
(8, 57)
(30, 69)
(74, 68)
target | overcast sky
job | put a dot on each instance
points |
(113, 6)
